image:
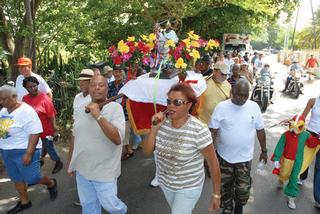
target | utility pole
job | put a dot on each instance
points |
(314, 27)
(294, 30)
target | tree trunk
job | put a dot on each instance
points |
(23, 44)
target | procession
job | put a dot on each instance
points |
(164, 122)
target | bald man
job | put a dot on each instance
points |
(95, 151)
(238, 120)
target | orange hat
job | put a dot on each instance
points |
(24, 61)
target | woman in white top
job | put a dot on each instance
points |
(20, 128)
(180, 142)
(314, 128)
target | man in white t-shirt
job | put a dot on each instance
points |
(82, 99)
(229, 61)
(25, 68)
(258, 64)
(238, 120)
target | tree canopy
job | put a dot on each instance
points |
(86, 28)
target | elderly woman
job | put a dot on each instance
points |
(43, 105)
(20, 147)
(181, 142)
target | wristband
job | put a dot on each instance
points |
(216, 196)
(99, 117)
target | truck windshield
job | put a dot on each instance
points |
(233, 47)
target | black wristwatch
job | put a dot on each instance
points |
(264, 150)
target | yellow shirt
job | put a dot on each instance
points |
(214, 94)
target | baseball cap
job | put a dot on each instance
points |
(86, 74)
(23, 61)
(223, 67)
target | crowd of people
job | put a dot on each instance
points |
(213, 133)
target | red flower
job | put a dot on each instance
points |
(145, 49)
(130, 43)
(112, 49)
(176, 55)
(117, 60)
(132, 49)
(188, 57)
(140, 45)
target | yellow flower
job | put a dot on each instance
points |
(212, 43)
(131, 38)
(152, 37)
(144, 37)
(151, 45)
(195, 54)
(195, 44)
(180, 63)
(187, 42)
(123, 47)
(193, 36)
(170, 43)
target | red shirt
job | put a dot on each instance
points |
(43, 105)
(311, 63)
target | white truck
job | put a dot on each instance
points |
(234, 41)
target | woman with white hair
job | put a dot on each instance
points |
(20, 128)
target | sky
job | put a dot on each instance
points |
(305, 15)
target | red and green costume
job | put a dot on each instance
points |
(289, 152)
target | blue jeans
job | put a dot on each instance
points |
(51, 149)
(94, 194)
(316, 180)
(182, 201)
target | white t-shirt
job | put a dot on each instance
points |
(21, 91)
(229, 62)
(237, 128)
(80, 102)
(16, 127)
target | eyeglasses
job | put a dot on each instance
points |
(176, 102)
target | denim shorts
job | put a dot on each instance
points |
(13, 161)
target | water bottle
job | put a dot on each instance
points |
(49, 138)
(261, 168)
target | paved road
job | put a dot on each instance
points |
(138, 171)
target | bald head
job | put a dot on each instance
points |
(240, 92)
(98, 88)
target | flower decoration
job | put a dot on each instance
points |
(137, 51)
(180, 63)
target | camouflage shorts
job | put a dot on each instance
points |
(235, 184)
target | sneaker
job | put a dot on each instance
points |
(280, 184)
(77, 203)
(154, 183)
(53, 191)
(291, 203)
(300, 182)
(57, 167)
(19, 207)
(317, 205)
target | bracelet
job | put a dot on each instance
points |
(264, 150)
(99, 117)
(216, 196)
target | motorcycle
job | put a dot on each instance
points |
(295, 85)
(263, 93)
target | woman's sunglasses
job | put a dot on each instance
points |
(176, 102)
